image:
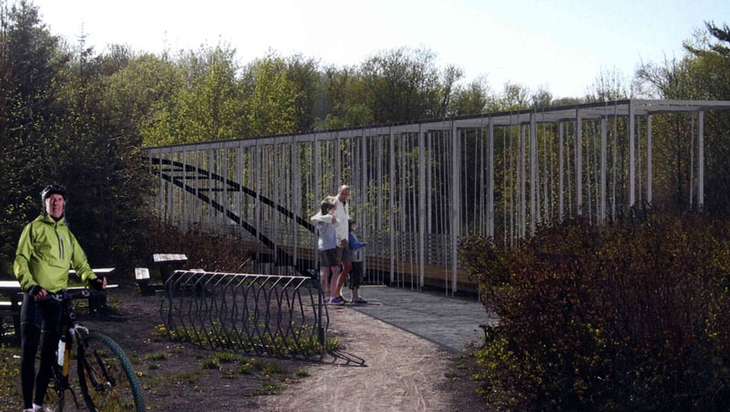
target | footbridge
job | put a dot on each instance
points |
(418, 189)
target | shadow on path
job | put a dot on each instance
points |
(452, 322)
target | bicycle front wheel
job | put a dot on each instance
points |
(106, 377)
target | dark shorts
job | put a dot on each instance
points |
(329, 257)
(344, 254)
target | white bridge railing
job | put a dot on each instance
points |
(418, 189)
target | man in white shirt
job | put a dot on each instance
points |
(342, 213)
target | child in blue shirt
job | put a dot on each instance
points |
(357, 263)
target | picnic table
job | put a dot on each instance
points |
(12, 298)
(101, 272)
(10, 304)
(168, 263)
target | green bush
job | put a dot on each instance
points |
(625, 317)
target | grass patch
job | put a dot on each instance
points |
(268, 388)
(156, 356)
(10, 378)
(292, 346)
(211, 363)
(226, 357)
(182, 377)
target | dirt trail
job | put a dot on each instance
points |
(380, 368)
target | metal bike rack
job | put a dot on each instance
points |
(259, 314)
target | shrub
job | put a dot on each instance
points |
(629, 316)
(214, 253)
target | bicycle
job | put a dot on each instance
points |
(106, 379)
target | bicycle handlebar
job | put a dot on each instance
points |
(71, 295)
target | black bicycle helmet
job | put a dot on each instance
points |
(51, 189)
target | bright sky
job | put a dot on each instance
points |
(560, 45)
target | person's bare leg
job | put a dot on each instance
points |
(346, 267)
(336, 274)
(324, 281)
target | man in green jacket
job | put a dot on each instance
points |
(46, 251)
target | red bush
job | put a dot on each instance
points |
(623, 317)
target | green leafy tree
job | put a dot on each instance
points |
(514, 97)
(30, 62)
(343, 91)
(270, 98)
(56, 126)
(473, 98)
(310, 101)
(404, 85)
(701, 74)
(99, 160)
(711, 75)
(196, 99)
(208, 107)
(139, 92)
(712, 63)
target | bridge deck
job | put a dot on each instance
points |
(404, 271)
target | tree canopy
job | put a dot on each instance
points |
(78, 117)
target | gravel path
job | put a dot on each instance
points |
(380, 368)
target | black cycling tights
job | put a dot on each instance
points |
(40, 324)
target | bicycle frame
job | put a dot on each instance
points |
(96, 381)
(61, 369)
